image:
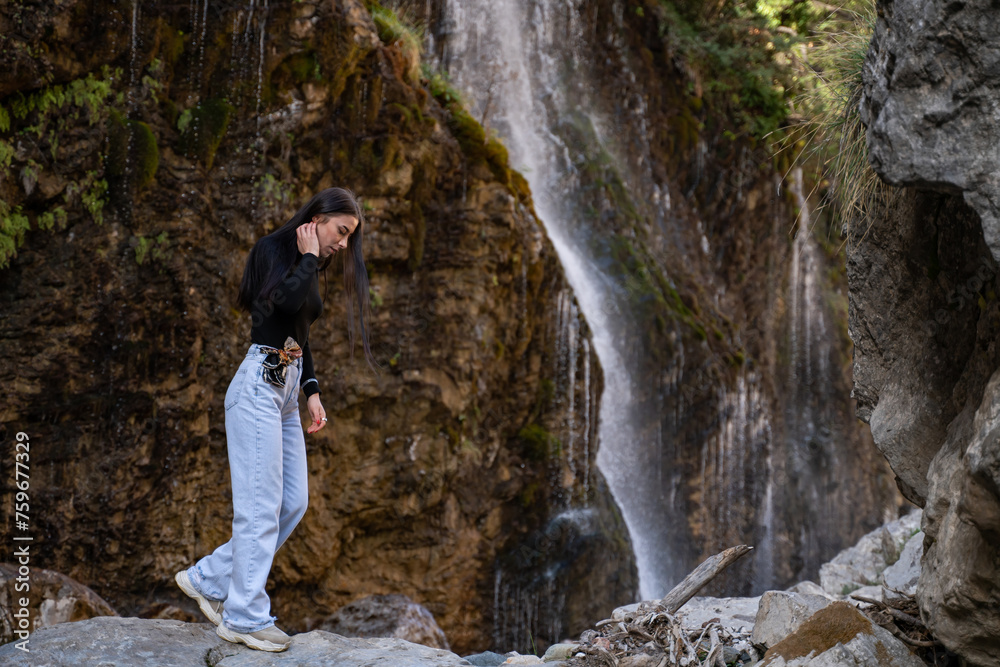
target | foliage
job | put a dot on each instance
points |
(273, 193)
(741, 53)
(832, 137)
(13, 225)
(154, 249)
(396, 30)
(441, 87)
(32, 120)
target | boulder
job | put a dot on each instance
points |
(900, 578)
(862, 565)
(387, 616)
(52, 598)
(810, 588)
(781, 613)
(926, 105)
(924, 317)
(735, 614)
(110, 640)
(840, 636)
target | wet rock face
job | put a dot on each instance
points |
(930, 96)
(429, 469)
(924, 310)
(727, 328)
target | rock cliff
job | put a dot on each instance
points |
(924, 309)
(144, 149)
(721, 293)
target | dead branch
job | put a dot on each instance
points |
(701, 575)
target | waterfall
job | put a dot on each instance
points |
(507, 59)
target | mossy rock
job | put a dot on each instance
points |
(297, 69)
(374, 156)
(202, 129)
(171, 42)
(539, 444)
(417, 231)
(133, 155)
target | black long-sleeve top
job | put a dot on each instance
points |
(296, 304)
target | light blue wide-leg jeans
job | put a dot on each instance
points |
(267, 463)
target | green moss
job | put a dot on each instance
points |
(171, 42)
(394, 31)
(417, 231)
(300, 68)
(405, 115)
(528, 496)
(133, 156)
(546, 392)
(202, 129)
(538, 443)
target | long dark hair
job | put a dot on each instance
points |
(273, 256)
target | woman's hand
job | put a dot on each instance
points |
(307, 239)
(316, 412)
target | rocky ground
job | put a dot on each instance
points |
(862, 613)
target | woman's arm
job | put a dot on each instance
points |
(291, 293)
(310, 386)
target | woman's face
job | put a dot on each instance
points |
(333, 232)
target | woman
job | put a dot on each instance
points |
(267, 455)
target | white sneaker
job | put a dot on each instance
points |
(268, 639)
(211, 608)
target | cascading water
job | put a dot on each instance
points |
(508, 59)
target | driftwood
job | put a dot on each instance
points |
(700, 576)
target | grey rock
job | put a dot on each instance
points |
(325, 649)
(640, 660)
(959, 585)
(734, 614)
(386, 616)
(809, 588)
(840, 636)
(900, 578)
(929, 101)
(486, 659)
(862, 565)
(560, 652)
(110, 641)
(518, 659)
(52, 598)
(867, 592)
(781, 613)
(620, 613)
(924, 320)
